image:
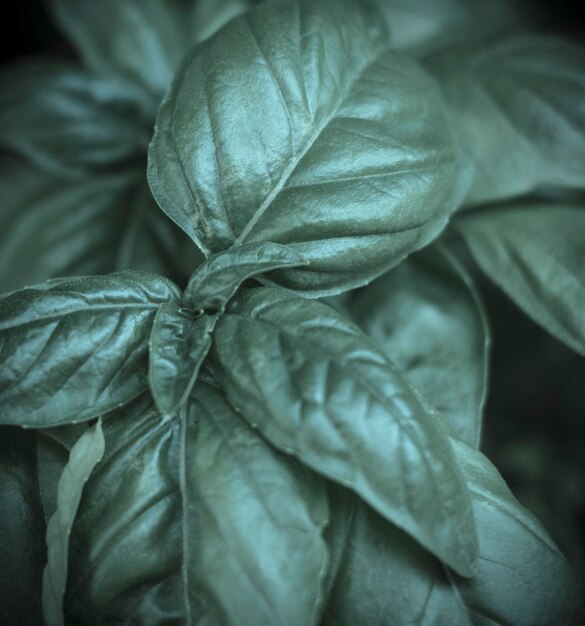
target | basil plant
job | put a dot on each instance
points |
(243, 376)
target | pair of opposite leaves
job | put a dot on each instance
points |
(185, 501)
(73, 142)
(260, 216)
(92, 240)
(349, 155)
(225, 175)
(510, 94)
(279, 314)
(114, 319)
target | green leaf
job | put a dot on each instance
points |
(147, 240)
(72, 162)
(536, 254)
(276, 129)
(319, 389)
(127, 538)
(67, 122)
(85, 455)
(140, 41)
(22, 528)
(216, 281)
(178, 346)
(53, 447)
(179, 343)
(427, 318)
(261, 552)
(518, 107)
(74, 349)
(94, 225)
(522, 578)
(197, 520)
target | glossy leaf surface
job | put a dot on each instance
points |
(127, 538)
(217, 280)
(536, 254)
(522, 578)
(85, 455)
(427, 318)
(74, 349)
(518, 107)
(197, 520)
(277, 129)
(178, 346)
(319, 389)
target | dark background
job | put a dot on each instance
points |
(28, 29)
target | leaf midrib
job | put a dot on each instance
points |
(405, 427)
(311, 141)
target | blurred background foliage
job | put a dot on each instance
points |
(534, 426)
(534, 423)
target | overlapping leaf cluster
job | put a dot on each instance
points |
(291, 435)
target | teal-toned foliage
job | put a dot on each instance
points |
(244, 355)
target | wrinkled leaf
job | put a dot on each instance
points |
(319, 389)
(518, 105)
(536, 254)
(278, 129)
(217, 280)
(140, 41)
(427, 318)
(22, 528)
(522, 578)
(181, 336)
(178, 346)
(197, 520)
(85, 455)
(127, 537)
(74, 349)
